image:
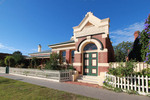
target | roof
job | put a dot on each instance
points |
(70, 41)
(46, 51)
(43, 56)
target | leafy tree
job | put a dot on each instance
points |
(34, 62)
(121, 51)
(10, 61)
(145, 41)
(19, 58)
(53, 63)
(2, 63)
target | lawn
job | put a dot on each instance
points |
(17, 90)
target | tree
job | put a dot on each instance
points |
(122, 50)
(34, 62)
(145, 41)
(10, 61)
(18, 57)
(53, 63)
(2, 63)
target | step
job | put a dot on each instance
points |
(88, 79)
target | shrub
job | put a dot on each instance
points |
(118, 90)
(2, 63)
(53, 63)
(10, 61)
(121, 70)
(131, 92)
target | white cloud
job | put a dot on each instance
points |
(7, 47)
(126, 34)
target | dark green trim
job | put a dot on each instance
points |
(92, 38)
(90, 35)
(99, 42)
(90, 67)
(80, 44)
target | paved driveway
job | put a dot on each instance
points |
(98, 93)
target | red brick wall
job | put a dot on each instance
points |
(103, 40)
(110, 51)
(68, 56)
(79, 69)
(78, 58)
(103, 57)
(102, 69)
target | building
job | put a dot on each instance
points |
(42, 56)
(90, 49)
(3, 55)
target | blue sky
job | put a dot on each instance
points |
(26, 23)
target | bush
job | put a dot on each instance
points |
(123, 70)
(2, 63)
(53, 63)
(131, 92)
(34, 62)
(10, 61)
(118, 90)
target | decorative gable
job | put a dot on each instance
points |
(88, 24)
(91, 25)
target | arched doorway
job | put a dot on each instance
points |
(90, 60)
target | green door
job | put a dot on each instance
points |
(90, 63)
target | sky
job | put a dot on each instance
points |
(26, 23)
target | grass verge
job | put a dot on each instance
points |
(17, 90)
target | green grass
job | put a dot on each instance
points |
(17, 90)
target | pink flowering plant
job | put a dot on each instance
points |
(144, 37)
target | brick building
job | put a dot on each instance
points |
(90, 49)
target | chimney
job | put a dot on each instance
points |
(39, 48)
(136, 34)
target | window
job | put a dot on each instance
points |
(72, 56)
(90, 46)
(63, 56)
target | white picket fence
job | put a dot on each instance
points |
(139, 66)
(54, 75)
(136, 83)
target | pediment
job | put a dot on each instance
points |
(88, 24)
(91, 25)
(89, 20)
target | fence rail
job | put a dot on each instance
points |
(2, 69)
(54, 75)
(138, 66)
(138, 83)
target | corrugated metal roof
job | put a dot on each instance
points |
(70, 41)
(46, 51)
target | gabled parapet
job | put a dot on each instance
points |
(91, 25)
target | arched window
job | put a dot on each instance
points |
(90, 46)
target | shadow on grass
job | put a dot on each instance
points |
(6, 81)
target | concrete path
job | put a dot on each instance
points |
(98, 93)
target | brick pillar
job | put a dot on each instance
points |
(68, 56)
(78, 60)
